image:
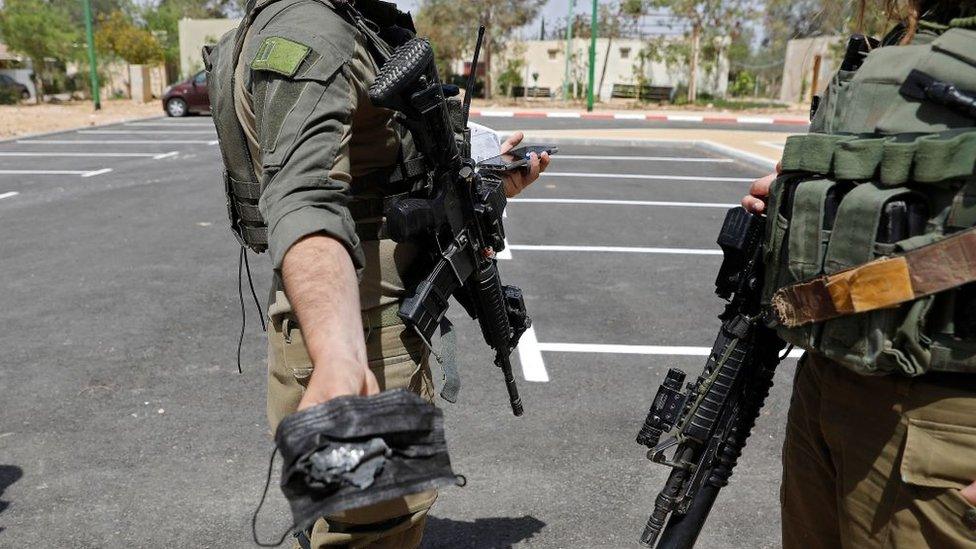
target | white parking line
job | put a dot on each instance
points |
(649, 177)
(8, 195)
(643, 158)
(632, 349)
(620, 202)
(612, 249)
(171, 124)
(82, 173)
(97, 172)
(530, 357)
(154, 156)
(771, 145)
(147, 132)
(120, 142)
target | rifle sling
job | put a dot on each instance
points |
(884, 283)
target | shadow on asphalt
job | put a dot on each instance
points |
(494, 533)
(9, 474)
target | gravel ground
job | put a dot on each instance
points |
(27, 119)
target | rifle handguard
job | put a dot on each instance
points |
(408, 63)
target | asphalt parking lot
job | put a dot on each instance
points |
(125, 424)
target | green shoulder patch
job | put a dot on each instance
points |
(279, 55)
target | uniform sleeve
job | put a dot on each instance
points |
(304, 130)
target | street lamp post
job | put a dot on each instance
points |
(92, 61)
(569, 48)
(594, 28)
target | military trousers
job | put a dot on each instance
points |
(878, 462)
(399, 360)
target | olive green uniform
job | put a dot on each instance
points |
(322, 155)
(881, 435)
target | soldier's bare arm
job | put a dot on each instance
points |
(335, 341)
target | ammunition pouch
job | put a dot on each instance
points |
(825, 221)
(885, 172)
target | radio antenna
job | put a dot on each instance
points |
(473, 76)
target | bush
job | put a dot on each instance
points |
(9, 96)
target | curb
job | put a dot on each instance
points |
(700, 119)
(749, 158)
(67, 130)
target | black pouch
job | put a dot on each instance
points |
(352, 452)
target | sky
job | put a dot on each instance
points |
(554, 10)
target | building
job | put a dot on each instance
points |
(618, 61)
(194, 35)
(808, 66)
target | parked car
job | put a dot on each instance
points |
(8, 82)
(187, 97)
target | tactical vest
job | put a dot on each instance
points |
(866, 208)
(242, 185)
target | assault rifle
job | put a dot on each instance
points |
(458, 218)
(714, 416)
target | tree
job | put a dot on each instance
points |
(162, 19)
(706, 20)
(118, 35)
(39, 29)
(499, 17)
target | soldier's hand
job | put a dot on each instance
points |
(755, 202)
(969, 493)
(338, 382)
(518, 180)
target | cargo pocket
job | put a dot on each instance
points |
(399, 360)
(938, 462)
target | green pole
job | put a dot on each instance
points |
(92, 61)
(569, 48)
(594, 28)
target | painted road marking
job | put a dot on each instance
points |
(8, 195)
(755, 120)
(630, 116)
(497, 114)
(147, 132)
(612, 249)
(111, 142)
(685, 118)
(564, 115)
(530, 357)
(777, 146)
(82, 173)
(171, 124)
(642, 158)
(649, 177)
(154, 156)
(97, 172)
(632, 349)
(620, 203)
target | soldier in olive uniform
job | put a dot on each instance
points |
(880, 448)
(308, 162)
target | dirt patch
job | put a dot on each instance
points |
(24, 119)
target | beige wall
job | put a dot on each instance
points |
(798, 67)
(196, 33)
(548, 59)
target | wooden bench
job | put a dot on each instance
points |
(647, 93)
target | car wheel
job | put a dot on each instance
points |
(176, 107)
(25, 95)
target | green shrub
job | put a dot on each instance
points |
(9, 96)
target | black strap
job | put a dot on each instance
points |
(303, 539)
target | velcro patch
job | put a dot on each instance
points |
(279, 55)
